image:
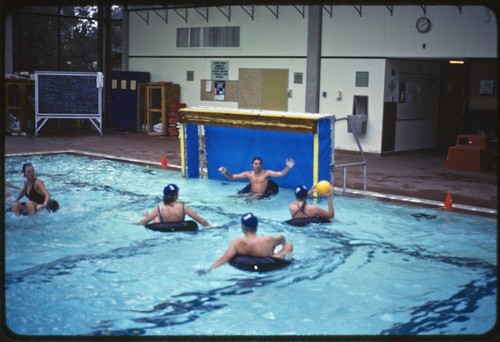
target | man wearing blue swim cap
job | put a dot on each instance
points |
(258, 177)
(253, 245)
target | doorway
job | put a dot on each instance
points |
(451, 104)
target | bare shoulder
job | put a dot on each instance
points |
(267, 238)
(238, 241)
(39, 182)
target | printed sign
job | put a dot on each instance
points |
(220, 70)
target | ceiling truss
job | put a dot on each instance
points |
(203, 11)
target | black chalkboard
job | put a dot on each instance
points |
(67, 94)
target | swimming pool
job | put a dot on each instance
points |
(378, 269)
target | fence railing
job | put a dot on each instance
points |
(347, 165)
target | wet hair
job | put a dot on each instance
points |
(257, 158)
(25, 166)
(301, 193)
(169, 199)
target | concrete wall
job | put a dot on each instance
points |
(377, 33)
(350, 42)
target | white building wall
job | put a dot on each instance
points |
(263, 36)
(340, 75)
(377, 33)
(350, 42)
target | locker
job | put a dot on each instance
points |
(123, 99)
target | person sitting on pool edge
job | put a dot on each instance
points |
(300, 209)
(38, 195)
(252, 245)
(258, 177)
(171, 210)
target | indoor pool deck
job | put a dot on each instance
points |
(417, 177)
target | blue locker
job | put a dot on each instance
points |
(123, 99)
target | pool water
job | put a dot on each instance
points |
(378, 269)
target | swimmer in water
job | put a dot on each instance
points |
(301, 209)
(252, 245)
(171, 210)
(38, 195)
(258, 177)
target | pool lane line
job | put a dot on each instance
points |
(420, 201)
(413, 200)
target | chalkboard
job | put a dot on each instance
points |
(67, 93)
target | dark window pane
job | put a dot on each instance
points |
(35, 42)
(79, 44)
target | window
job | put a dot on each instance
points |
(62, 38)
(361, 78)
(222, 37)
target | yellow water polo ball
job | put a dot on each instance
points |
(323, 187)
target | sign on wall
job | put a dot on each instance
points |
(220, 70)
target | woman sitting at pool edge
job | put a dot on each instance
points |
(171, 210)
(300, 209)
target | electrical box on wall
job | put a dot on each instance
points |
(358, 120)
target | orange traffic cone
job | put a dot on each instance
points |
(164, 162)
(448, 203)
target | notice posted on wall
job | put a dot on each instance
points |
(208, 87)
(220, 90)
(220, 70)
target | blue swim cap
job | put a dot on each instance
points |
(170, 190)
(301, 191)
(249, 220)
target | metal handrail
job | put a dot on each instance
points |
(345, 166)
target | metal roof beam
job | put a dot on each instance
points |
(145, 18)
(182, 15)
(200, 12)
(302, 12)
(273, 12)
(328, 9)
(251, 12)
(226, 10)
(165, 18)
(358, 9)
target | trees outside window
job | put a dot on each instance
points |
(64, 38)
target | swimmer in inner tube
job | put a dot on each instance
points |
(253, 245)
(171, 210)
(38, 195)
(258, 177)
(301, 209)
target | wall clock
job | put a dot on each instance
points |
(423, 24)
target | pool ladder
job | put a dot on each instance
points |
(345, 166)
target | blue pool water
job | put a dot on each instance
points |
(378, 269)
